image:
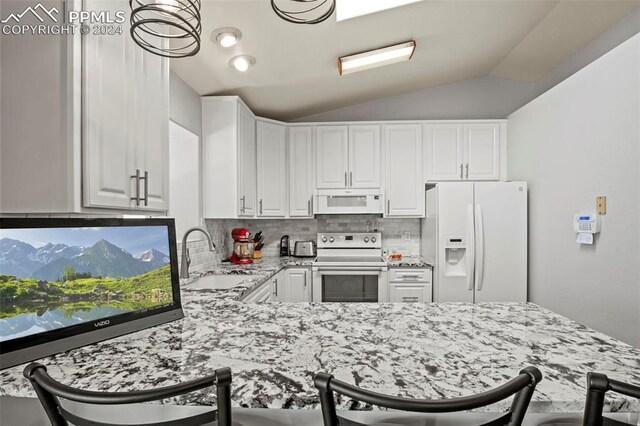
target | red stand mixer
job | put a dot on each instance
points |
(242, 246)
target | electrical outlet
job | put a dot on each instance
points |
(406, 235)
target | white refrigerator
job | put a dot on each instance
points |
(477, 235)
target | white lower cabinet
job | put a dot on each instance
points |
(410, 285)
(261, 294)
(297, 285)
(289, 285)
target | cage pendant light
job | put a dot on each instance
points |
(169, 28)
(304, 11)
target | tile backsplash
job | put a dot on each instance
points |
(400, 235)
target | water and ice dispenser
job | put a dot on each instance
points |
(455, 252)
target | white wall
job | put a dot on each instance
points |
(579, 140)
(185, 106)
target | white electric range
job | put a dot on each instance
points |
(350, 268)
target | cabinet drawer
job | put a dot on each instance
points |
(410, 275)
(410, 293)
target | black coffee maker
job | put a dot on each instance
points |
(284, 245)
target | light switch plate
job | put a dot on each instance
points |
(601, 204)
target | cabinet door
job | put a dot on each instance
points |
(402, 293)
(278, 288)
(332, 156)
(482, 151)
(246, 162)
(404, 189)
(301, 172)
(108, 115)
(298, 286)
(152, 128)
(272, 170)
(364, 156)
(444, 152)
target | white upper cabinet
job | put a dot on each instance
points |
(228, 158)
(444, 152)
(246, 162)
(272, 167)
(463, 151)
(153, 135)
(364, 156)
(482, 151)
(125, 122)
(348, 156)
(332, 156)
(301, 181)
(404, 180)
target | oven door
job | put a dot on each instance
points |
(350, 285)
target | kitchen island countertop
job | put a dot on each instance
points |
(413, 350)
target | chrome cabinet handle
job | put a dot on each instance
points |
(388, 206)
(311, 211)
(467, 168)
(137, 178)
(261, 206)
(275, 288)
(460, 170)
(242, 208)
(410, 298)
(350, 178)
(146, 188)
(309, 206)
(345, 179)
(305, 278)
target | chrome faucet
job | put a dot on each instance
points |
(186, 260)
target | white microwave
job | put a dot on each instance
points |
(349, 201)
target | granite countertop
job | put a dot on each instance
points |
(431, 350)
(410, 262)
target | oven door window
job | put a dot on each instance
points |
(349, 288)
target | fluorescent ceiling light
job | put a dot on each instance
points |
(376, 58)
(347, 9)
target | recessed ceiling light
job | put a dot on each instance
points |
(242, 62)
(227, 36)
(376, 58)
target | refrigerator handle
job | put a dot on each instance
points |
(470, 248)
(479, 278)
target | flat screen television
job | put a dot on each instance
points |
(66, 283)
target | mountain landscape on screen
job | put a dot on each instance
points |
(55, 285)
(103, 259)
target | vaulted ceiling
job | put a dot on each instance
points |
(296, 70)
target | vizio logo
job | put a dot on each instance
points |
(101, 323)
(33, 10)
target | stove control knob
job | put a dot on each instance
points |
(324, 239)
(373, 239)
(366, 239)
(331, 239)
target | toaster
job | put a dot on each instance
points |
(304, 249)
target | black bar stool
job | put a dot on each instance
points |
(597, 385)
(49, 390)
(521, 386)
